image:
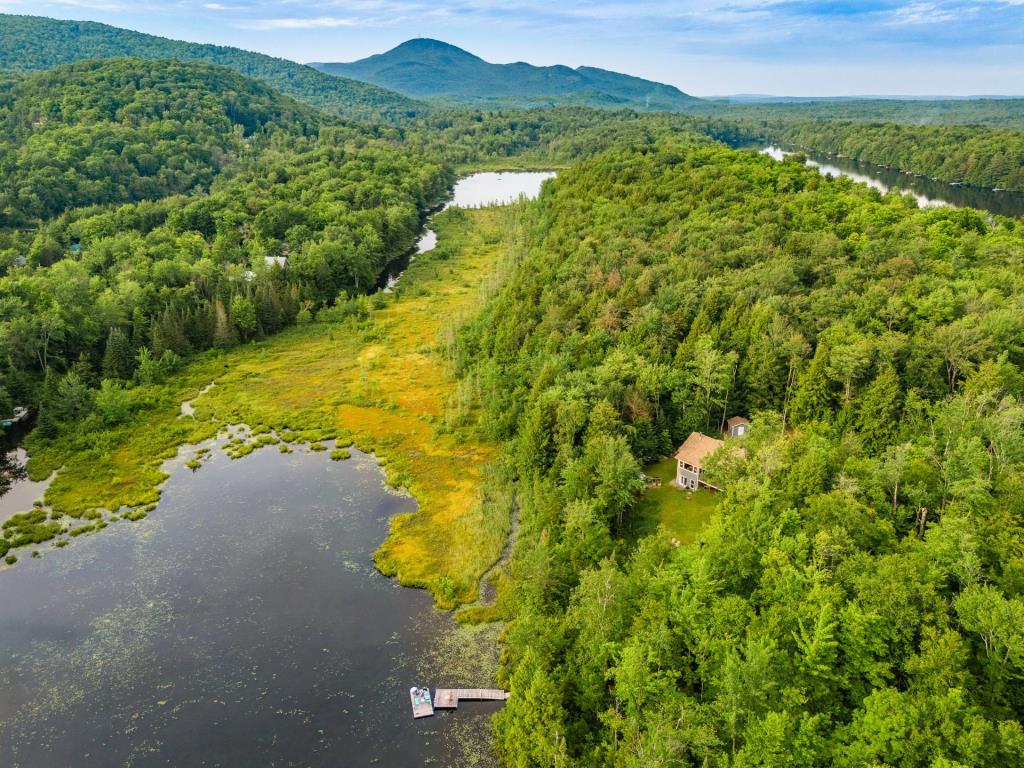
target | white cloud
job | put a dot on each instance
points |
(320, 22)
(926, 13)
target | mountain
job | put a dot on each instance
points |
(33, 43)
(425, 68)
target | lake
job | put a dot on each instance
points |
(475, 191)
(241, 623)
(927, 192)
(497, 188)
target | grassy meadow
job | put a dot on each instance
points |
(681, 514)
(374, 374)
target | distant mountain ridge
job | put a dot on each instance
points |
(431, 69)
(29, 43)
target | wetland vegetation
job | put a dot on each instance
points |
(190, 265)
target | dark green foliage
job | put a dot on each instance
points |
(33, 43)
(1005, 113)
(125, 130)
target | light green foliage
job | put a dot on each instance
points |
(113, 402)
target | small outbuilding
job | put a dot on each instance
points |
(279, 261)
(737, 426)
(690, 460)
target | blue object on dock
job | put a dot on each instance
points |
(422, 706)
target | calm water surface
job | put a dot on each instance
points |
(241, 624)
(499, 188)
(20, 491)
(475, 191)
(927, 192)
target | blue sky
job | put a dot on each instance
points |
(705, 47)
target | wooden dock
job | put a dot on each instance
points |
(448, 698)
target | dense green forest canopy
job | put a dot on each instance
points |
(857, 599)
(432, 69)
(123, 130)
(34, 43)
(976, 155)
(247, 212)
(1000, 113)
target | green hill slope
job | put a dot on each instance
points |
(122, 130)
(33, 43)
(426, 68)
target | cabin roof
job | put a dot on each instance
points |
(696, 448)
(735, 421)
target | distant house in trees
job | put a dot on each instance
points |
(270, 261)
(737, 426)
(690, 460)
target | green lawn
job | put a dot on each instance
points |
(682, 514)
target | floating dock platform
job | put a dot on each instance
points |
(422, 706)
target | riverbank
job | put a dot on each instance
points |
(928, 192)
(377, 378)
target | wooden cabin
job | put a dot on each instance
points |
(690, 460)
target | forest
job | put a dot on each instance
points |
(124, 130)
(858, 595)
(132, 252)
(29, 43)
(856, 599)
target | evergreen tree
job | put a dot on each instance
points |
(118, 358)
(878, 410)
(224, 334)
(813, 398)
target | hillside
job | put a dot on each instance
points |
(424, 68)
(855, 598)
(33, 43)
(123, 130)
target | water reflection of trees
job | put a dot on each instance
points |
(11, 470)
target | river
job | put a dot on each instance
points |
(927, 192)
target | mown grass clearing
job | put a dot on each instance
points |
(681, 514)
(379, 380)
